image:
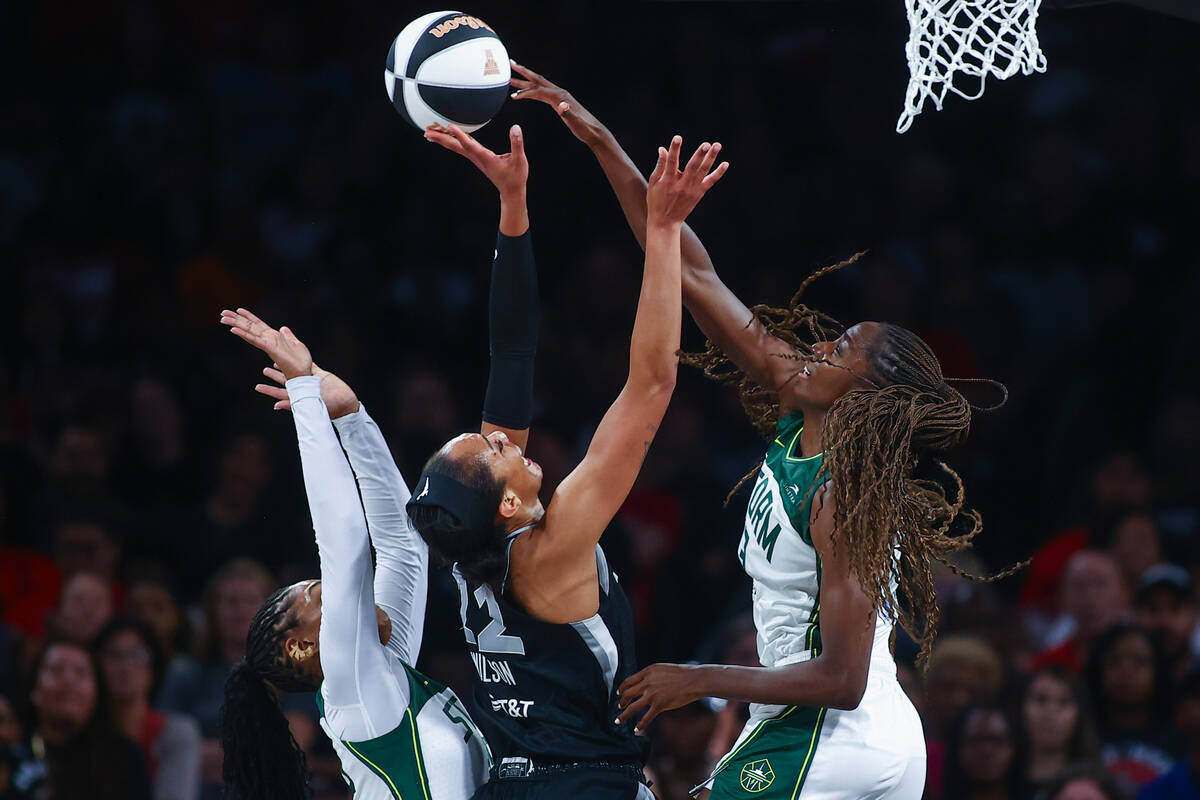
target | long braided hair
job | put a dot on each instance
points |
(262, 759)
(878, 445)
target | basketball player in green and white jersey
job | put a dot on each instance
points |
(839, 532)
(397, 733)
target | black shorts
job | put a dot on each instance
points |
(580, 783)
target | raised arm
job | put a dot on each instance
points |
(362, 696)
(588, 498)
(725, 319)
(513, 310)
(401, 555)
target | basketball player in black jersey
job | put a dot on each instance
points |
(548, 628)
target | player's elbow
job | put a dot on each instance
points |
(847, 688)
(849, 696)
(663, 384)
(656, 383)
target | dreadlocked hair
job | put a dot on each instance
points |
(894, 514)
(262, 759)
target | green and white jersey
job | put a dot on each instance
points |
(876, 750)
(397, 733)
(435, 753)
(777, 552)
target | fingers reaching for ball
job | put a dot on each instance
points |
(672, 193)
(532, 86)
(508, 172)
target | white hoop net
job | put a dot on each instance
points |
(949, 39)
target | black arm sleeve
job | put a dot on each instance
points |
(514, 315)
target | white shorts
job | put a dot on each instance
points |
(876, 751)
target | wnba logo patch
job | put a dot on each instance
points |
(757, 775)
(490, 67)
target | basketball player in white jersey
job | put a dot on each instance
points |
(839, 531)
(396, 732)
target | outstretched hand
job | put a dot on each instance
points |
(532, 86)
(657, 688)
(339, 398)
(672, 194)
(281, 345)
(508, 172)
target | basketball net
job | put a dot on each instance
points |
(966, 40)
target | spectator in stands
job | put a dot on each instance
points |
(230, 602)
(152, 600)
(86, 545)
(1130, 689)
(83, 608)
(133, 666)
(1095, 597)
(981, 756)
(1055, 729)
(234, 520)
(152, 464)
(1134, 542)
(1182, 781)
(1165, 606)
(962, 671)
(74, 752)
(1084, 782)
(1119, 481)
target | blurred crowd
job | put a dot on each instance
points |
(160, 161)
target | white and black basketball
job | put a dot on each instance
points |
(447, 67)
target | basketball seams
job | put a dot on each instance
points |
(432, 80)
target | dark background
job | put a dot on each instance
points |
(161, 161)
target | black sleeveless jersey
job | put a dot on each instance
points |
(548, 691)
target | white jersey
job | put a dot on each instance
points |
(436, 752)
(397, 733)
(875, 751)
(778, 554)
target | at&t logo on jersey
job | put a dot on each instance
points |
(518, 709)
(757, 776)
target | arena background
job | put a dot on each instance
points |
(161, 161)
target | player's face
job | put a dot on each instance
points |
(304, 599)
(520, 475)
(836, 367)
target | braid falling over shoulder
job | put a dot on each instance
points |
(893, 523)
(262, 760)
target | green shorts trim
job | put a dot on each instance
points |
(774, 759)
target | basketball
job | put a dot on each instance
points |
(447, 68)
